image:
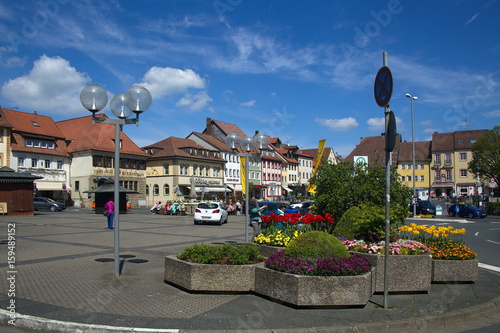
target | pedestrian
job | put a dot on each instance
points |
(255, 216)
(238, 208)
(109, 210)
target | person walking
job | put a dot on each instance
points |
(255, 220)
(109, 210)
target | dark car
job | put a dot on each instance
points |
(47, 203)
(425, 207)
(272, 207)
(466, 210)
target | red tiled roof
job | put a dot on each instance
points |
(213, 141)
(4, 122)
(442, 141)
(465, 139)
(33, 123)
(172, 146)
(374, 148)
(228, 128)
(422, 151)
(17, 144)
(87, 136)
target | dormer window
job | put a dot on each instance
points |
(34, 123)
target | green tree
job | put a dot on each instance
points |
(344, 185)
(486, 155)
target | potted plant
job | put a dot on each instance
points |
(202, 267)
(452, 261)
(315, 270)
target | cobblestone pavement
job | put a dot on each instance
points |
(65, 272)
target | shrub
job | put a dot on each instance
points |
(329, 266)
(493, 208)
(366, 222)
(316, 244)
(223, 254)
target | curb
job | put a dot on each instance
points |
(421, 324)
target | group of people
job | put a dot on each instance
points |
(234, 209)
(169, 209)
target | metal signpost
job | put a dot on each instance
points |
(383, 92)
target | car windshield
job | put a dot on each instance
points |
(472, 207)
(426, 204)
(208, 205)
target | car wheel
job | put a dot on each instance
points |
(227, 217)
(452, 214)
(53, 208)
(471, 215)
(220, 221)
(195, 222)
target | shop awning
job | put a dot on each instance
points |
(210, 189)
(287, 189)
(45, 186)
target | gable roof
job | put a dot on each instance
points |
(4, 122)
(87, 136)
(33, 124)
(212, 141)
(456, 140)
(422, 151)
(226, 128)
(374, 148)
(173, 147)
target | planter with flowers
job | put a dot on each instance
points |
(281, 229)
(452, 261)
(409, 264)
(315, 270)
(214, 268)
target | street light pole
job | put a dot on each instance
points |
(136, 100)
(412, 98)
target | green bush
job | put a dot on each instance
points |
(316, 244)
(493, 208)
(366, 222)
(226, 254)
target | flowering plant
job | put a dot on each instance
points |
(400, 247)
(328, 266)
(274, 237)
(312, 221)
(444, 242)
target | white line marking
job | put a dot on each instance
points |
(490, 267)
(492, 242)
(476, 234)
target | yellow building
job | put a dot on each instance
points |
(421, 170)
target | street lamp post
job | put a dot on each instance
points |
(136, 100)
(413, 98)
(234, 141)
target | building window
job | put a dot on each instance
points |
(422, 178)
(463, 173)
(437, 159)
(97, 161)
(34, 162)
(403, 166)
(202, 169)
(21, 161)
(447, 159)
(207, 171)
(166, 189)
(60, 164)
(147, 190)
(29, 142)
(156, 189)
(421, 167)
(409, 178)
(463, 157)
(77, 185)
(48, 164)
(448, 175)
(437, 176)
(165, 169)
(195, 170)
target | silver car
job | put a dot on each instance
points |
(210, 212)
(47, 203)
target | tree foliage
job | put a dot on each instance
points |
(344, 185)
(486, 155)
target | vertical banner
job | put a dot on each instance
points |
(311, 188)
(243, 175)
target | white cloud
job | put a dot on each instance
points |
(161, 81)
(52, 85)
(194, 102)
(426, 123)
(430, 130)
(376, 124)
(338, 124)
(473, 18)
(492, 114)
(249, 103)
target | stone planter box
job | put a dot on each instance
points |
(454, 270)
(202, 277)
(267, 251)
(299, 290)
(406, 273)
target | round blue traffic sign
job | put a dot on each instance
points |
(383, 86)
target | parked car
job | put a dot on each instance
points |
(425, 207)
(466, 210)
(272, 207)
(47, 203)
(210, 212)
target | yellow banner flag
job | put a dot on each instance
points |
(311, 188)
(243, 175)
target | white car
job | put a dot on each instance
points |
(211, 212)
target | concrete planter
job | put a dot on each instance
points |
(302, 290)
(454, 270)
(201, 277)
(267, 251)
(406, 273)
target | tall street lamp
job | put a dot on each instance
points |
(413, 98)
(136, 100)
(234, 141)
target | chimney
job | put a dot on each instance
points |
(208, 130)
(361, 139)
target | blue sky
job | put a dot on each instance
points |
(299, 70)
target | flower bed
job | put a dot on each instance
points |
(409, 264)
(315, 281)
